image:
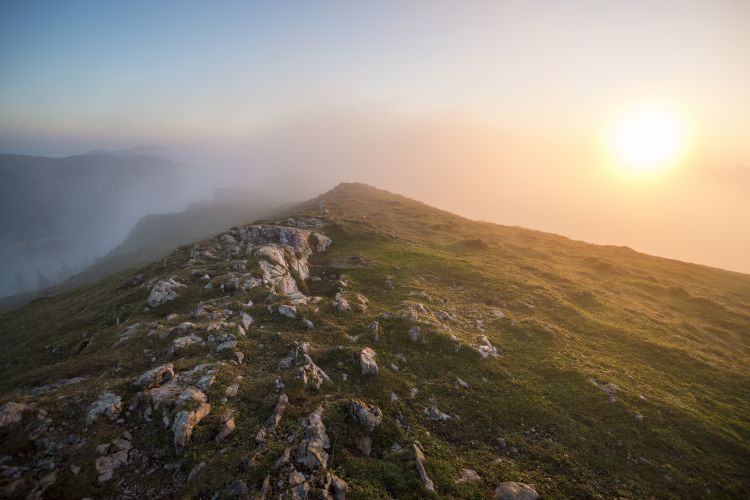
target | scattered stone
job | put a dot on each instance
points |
(312, 376)
(11, 413)
(75, 469)
(414, 333)
(433, 413)
(340, 303)
(308, 324)
(288, 311)
(374, 328)
(511, 490)
(273, 420)
(231, 390)
(367, 362)
(419, 459)
(607, 388)
(181, 343)
(413, 393)
(311, 452)
(362, 302)
(58, 384)
(155, 376)
(367, 415)
(501, 443)
(163, 291)
(106, 465)
(246, 320)
(189, 395)
(184, 423)
(226, 428)
(467, 475)
(320, 242)
(461, 383)
(485, 348)
(394, 397)
(499, 314)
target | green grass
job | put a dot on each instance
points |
(674, 337)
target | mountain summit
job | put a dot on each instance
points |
(367, 345)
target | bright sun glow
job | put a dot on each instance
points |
(648, 139)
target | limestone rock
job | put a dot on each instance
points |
(155, 376)
(246, 320)
(511, 490)
(109, 405)
(288, 311)
(485, 348)
(467, 475)
(320, 242)
(185, 422)
(433, 413)
(367, 415)
(181, 343)
(273, 420)
(367, 362)
(312, 449)
(163, 291)
(226, 428)
(419, 459)
(340, 303)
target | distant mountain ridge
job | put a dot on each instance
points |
(60, 211)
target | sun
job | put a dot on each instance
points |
(648, 138)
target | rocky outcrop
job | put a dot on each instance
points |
(340, 303)
(367, 362)
(163, 291)
(288, 311)
(108, 405)
(419, 461)
(181, 343)
(273, 420)
(184, 423)
(311, 375)
(485, 347)
(283, 253)
(511, 490)
(155, 376)
(308, 372)
(367, 415)
(311, 452)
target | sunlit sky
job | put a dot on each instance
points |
(496, 110)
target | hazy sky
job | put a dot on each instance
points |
(495, 110)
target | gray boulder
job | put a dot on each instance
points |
(511, 490)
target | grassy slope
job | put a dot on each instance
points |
(672, 336)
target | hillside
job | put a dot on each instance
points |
(370, 346)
